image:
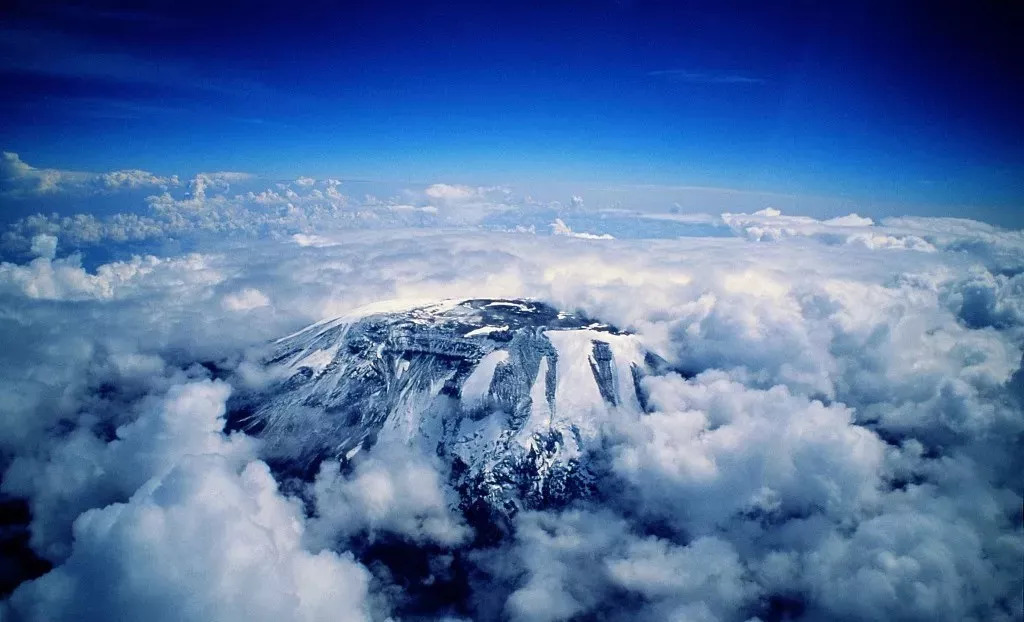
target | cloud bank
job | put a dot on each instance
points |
(18, 178)
(835, 437)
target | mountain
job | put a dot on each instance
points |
(508, 394)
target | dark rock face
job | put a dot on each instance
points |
(507, 393)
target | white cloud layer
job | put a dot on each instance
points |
(839, 439)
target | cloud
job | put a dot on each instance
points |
(448, 192)
(999, 249)
(219, 182)
(426, 209)
(221, 203)
(704, 77)
(468, 205)
(908, 564)
(560, 228)
(561, 566)
(204, 541)
(695, 454)
(57, 53)
(245, 300)
(44, 246)
(66, 279)
(770, 225)
(838, 437)
(393, 490)
(134, 178)
(85, 472)
(19, 179)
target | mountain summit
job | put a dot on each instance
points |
(507, 393)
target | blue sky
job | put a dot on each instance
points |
(911, 105)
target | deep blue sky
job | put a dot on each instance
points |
(919, 103)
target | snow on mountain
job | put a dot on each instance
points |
(507, 393)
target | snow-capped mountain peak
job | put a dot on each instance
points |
(506, 392)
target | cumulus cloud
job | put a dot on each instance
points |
(245, 299)
(696, 454)
(770, 224)
(44, 246)
(466, 204)
(392, 491)
(1000, 249)
(454, 193)
(560, 228)
(66, 279)
(204, 541)
(562, 566)
(134, 178)
(17, 178)
(219, 183)
(221, 204)
(910, 565)
(83, 471)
